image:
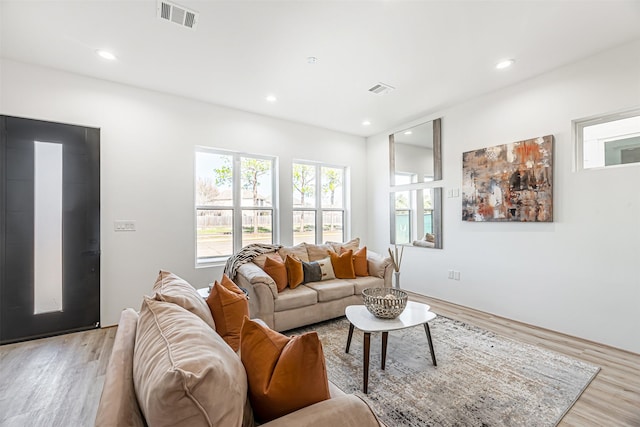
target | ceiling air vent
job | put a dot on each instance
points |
(177, 14)
(381, 88)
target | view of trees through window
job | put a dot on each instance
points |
(318, 203)
(234, 202)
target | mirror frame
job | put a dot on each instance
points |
(434, 185)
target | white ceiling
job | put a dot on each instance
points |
(435, 53)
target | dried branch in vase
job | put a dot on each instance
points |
(396, 258)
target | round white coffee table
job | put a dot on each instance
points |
(359, 317)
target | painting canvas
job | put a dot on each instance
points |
(510, 182)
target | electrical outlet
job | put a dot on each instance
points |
(450, 274)
(456, 275)
(124, 225)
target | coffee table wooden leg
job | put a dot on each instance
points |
(433, 354)
(349, 337)
(385, 336)
(367, 344)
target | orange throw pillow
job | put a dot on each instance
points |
(229, 306)
(360, 264)
(343, 265)
(277, 271)
(295, 273)
(284, 373)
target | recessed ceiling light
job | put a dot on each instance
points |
(312, 60)
(366, 123)
(408, 132)
(505, 64)
(106, 54)
(271, 98)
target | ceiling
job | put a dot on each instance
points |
(435, 53)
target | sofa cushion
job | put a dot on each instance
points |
(295, 273)
(228, 306)
(361, 283)
(284, 373)
(262, 258)
(343, 265)
(171, 288)
(299, 251)
(332, 289)
(342, 411)
(180, 365)
(352, 244)
(317, 252)
(301, 296)
(360, 267)
(377, 264)
(278, 272)
(326, 269)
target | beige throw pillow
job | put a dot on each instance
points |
(184, 373)
(297, 251)
(352, 244)
(171, 288)
(318, 252)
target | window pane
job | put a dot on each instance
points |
(403, 227)
(304, 227)
(615, 142)
(304, 182)
(257, 226)
(214, 231)
(427, 205)
(214, 175)
(332, 226)
(403, 200)
(332, 184)
(47, 227)
(256, 182)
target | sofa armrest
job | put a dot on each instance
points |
(344, 411)
(262, 291)
(118, 404)
(380, 267)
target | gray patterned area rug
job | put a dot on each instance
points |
(482, 379)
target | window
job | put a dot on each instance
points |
(318, 203)
(234, 202)
(608, 140)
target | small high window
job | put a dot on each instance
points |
(609, 140)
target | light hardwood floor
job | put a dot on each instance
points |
(613, 397)
(57, 381)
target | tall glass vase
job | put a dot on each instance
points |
(396, 275)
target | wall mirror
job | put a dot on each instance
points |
(415, 154)
(416, 195)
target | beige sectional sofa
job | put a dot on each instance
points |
(311, 302)
(169, 367)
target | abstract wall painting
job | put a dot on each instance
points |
(510, 182)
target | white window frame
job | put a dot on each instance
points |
(236, 208)
(578, 132)
(318, 210)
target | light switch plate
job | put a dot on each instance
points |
(124, 225)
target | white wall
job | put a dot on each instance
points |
(147, 168)
(579, 275)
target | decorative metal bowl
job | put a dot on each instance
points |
(385, 303)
